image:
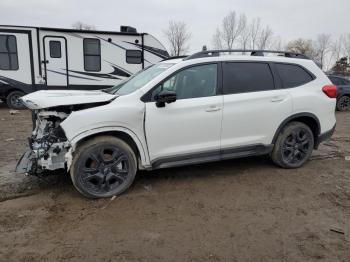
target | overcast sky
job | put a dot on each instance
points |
(289, 19)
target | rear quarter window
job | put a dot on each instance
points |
(293, 75)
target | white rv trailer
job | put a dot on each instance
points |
(36, 58)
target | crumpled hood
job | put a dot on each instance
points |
(52, 98)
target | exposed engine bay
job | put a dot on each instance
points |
(48, 144)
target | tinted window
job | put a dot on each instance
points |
(55, 49)
(335, 80)
(133, 56)
(8, 52)
(240, 77)
(338, 81)
(92, 54)
(193, 82)
(293, 75)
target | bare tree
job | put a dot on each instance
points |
(255, 29)
(337, 48)
(265, 38)
(302, 46)
(245, 34)
(277, 43)
(82, 26)
(217, 43)
(231, 29)
(346, 46)
(178, 36)
(323, 44)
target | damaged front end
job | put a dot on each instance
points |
(48, 144)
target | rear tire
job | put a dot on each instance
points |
(12, 100)
(343, 103)
(104, 166)
(294, 145)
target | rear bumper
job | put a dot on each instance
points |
(324, 136)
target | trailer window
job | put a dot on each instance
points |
(8, 52)
(92, 54)
(55, 49)
(133, 56)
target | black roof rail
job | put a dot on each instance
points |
(174, 57)
(212, 53)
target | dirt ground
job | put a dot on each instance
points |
(237, 210)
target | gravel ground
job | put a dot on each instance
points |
(237, 210)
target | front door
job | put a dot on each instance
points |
(189, 127)
(56, 62)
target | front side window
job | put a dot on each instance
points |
(139, 80)
(193, 82)
(55, 49)
(8, 52)
(92, 54)
(243, 77)
(293, 75)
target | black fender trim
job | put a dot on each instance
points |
(295, 116)
(325, 136)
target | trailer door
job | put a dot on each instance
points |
(56, 63)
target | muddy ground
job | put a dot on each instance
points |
(238, 210)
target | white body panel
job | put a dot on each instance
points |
(45, 99)
(253, 118)
(186, 126)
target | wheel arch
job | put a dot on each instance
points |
(124, 134)
(307, 118)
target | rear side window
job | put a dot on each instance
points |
(293, 75)
(92, 54)
(55, 49)
(240, 77)
(133, 56)
(8, 52)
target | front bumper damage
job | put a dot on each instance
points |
(35, 162)
(48, 145)
(25, 163)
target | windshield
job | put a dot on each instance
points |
(138, 80)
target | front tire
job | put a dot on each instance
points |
(293, 146)
(12, 100)
(104, 166)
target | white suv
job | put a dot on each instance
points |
(205, 107)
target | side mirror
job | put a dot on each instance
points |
(165, 97)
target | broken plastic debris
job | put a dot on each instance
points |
(14, 112)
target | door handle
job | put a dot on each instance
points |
(277, 99)
(213, 109)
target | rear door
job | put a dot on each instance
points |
(56, 65)
(253, 107)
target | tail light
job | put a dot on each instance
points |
(330, 91)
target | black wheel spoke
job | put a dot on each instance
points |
(296, 146)
(105, 169)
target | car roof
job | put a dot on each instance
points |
(240, 57)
